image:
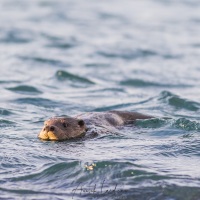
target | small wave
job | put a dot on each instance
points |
(41, 60)
(6, 123)
(26, 192)
(113, 107)
(178, 102)
(49, 172)
(15, 36)
(127, 106)
(42, 102)
(107, 91)
(146, 191)
(5, 112)
(151, 123)
(100, 65)
(142, 83)
(186, 124)
(196, 45)
(138, 83)
(25, 89)
(106, 15)
(127, 54)
(181, 123)
(63, 75)
(60, 43)
(9, 81)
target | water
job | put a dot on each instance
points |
(66, 57)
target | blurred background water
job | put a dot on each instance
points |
(64, 57)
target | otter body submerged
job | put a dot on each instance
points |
(63, 128)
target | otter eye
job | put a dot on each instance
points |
(64, 125)
(81, 122)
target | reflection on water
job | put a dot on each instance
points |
(65, 57)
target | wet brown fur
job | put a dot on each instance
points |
(64, 128)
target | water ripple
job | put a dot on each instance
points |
(49, 173)
(61, 43)
(63, 75)
(181, 123)
(16, 37)
(178, 102)
(42, 60)
(5, 112)
(42, 102)
(151, 123)
(25, 89)
(186, 124)
(127, 54)
(144, 83)
(6, 123)
(65, 57)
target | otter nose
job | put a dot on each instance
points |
(49, 128)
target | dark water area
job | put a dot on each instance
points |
(66, 57)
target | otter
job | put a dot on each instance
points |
(64, 128)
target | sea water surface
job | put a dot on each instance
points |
(64, 57)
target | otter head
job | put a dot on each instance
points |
(62, 128)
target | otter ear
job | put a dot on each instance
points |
(81, 122)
